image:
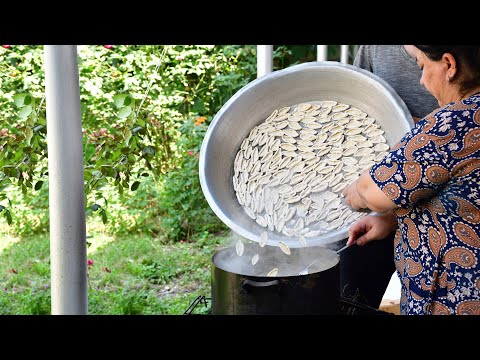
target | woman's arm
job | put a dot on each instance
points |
(364, 193)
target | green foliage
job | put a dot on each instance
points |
(23, 151)
(185, 210)
(21, 70)
(127, 146)
(37, 302)
(120, 158)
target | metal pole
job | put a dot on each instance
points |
(344, 54)
(264, 59)
(322, 52)
(68, 253)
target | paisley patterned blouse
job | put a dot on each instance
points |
(433, 174)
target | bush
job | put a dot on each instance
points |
(185, 209)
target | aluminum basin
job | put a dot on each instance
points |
(308, 82)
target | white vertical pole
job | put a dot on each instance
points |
(264, 59)
(68, 253)
(322, 52)
(344, 54)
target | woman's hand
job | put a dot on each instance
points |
(352, 198)
(371, 227)
(365, 194)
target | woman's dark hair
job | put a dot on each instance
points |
(468, 62)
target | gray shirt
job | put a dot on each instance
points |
(394, 65)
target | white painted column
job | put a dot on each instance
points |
(344, 54)
(68, 253)
(264, 59)
(322, 52)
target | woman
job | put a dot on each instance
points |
(429, 187)
(365, 272)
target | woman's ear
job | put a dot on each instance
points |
(451, 66)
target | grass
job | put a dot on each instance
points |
(129, 275)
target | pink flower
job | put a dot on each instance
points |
(90, 262)
(181, 241)
(190, 153)
(108, 46)
(180, 58)
(7, 46)
(103, 131)
(4, 132)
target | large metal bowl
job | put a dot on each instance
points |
(251, 105)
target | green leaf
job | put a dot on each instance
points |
(19, 99)
(38, 185)
(11, 171)
(128, 136)
(24, 189)
(148, 150)
(132, 159)
(108, 170)
(135, 186)
(95, 207)
(28, 134)
(124, 112)
(128, 101)
(9, 217)
(103, 214)
(25, 111)
(28, 100)
(145, 175)
(119, 100)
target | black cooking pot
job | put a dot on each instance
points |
(240, 288)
